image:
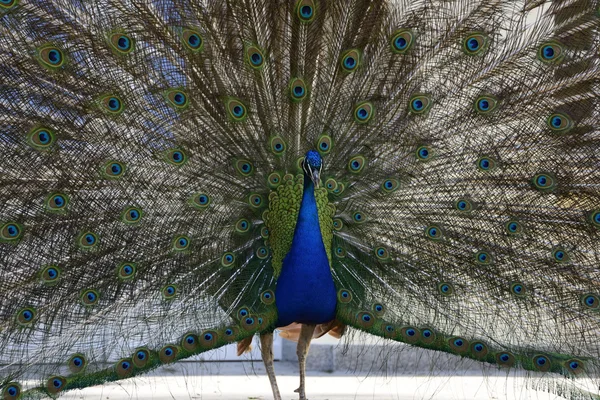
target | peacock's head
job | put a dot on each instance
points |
(312, 166)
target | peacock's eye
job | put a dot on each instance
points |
(350, 60)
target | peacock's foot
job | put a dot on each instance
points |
(301, 392)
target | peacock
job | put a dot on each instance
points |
(178, 175)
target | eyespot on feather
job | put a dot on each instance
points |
(51, 56)
(350, 60)
(141, 357)
(124, 368)
(402, 40)
(41, 138)
(56, 384)
(168, 354)
(305, 10)
(121, 43)
(192, 40)
(475, 43)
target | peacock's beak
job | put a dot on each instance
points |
(316, 177)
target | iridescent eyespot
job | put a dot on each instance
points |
(262, 252)
(55, 384)
(559, 123)
(88, 240)
(26, 316)
(340, 252)
(419, 103)
(51, 56)
(12, 390)
(168, 354)
(192, 40)
(267, 297)
(274, 179)
(57, 202)
(445, 288)
(350, 60)
(518, 289)
(255, 200)
(560, 255)
(337, 224)
(463, 205)
(244, 167)
(177, 99)
(486, 163)
(298, 90)
(131, 215)
(363, 112)
(479, 350)
(365, 319)
(126, 271)
(423, 153)
(505, 359)
(483, 258)
(359, 217)
(356, 164)
(278, 145)
(382, 253)
(141, 357)
(264, 232)
(410, 335)
(41, 138)
(402, 41)
(390, 185)
(169, 292)
(344, 296)
(255, 57)
(77, 363)
(227, 259)
(574, 366)
(542, 363)
(113, 169)
(5, 5)
(544, 182)
(459, 344)
(236, 110)
(50, 274)
(485, 104)
(340, 188)
(11, 232)
(124, 367)
(590, 301)
(330, 184)
(121, 43)
(475, 43)
(181, 243)
(324, 144)
(513, 227)
(378, 309)
(200, 200)
(176, 157)
(434, 232)
(242, 225)
(389, 330)
(305, 10)
(190, 342)
(89, 297)
(112, 104)
(208, 339)
(551, 52)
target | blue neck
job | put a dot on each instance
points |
(305, 290)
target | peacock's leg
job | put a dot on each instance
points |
(306, 334)
(266, 349)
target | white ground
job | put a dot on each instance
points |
(247, 381)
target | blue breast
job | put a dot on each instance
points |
(305, 290)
